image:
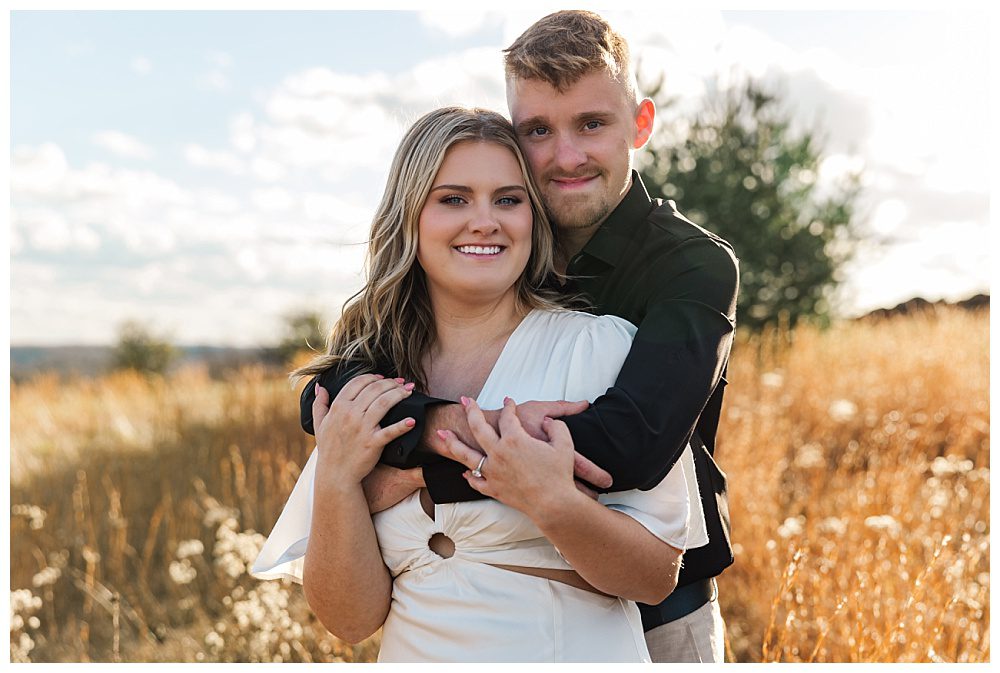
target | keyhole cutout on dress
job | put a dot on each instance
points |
(441, 545)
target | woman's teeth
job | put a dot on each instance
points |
(479, 250)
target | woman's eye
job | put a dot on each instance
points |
(508, 201)
(453, 200)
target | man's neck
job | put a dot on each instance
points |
(572, 241)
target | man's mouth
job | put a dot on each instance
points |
(480, 250)
(574, 182)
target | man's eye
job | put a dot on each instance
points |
(538, 131)
(593, 124)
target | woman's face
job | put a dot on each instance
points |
(475, 227)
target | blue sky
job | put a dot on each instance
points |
(210, 172)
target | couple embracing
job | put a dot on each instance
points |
(500, 475)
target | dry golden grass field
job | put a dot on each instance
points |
(858, 460)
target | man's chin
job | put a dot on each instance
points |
(576, 215)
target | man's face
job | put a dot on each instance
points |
(579, 144)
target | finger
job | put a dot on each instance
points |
(373, 391)
(583, 488)
(383, 403)
(480, 428)
(394, 431)
(510, 424)
(458, 450)
(563, 408)
(320, 406)
(479, 484)
(356, 385)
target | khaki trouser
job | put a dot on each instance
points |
(699, 637)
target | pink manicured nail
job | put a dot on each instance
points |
(464, 400)
(399, 380)
(443, 434)
(379, 376)
(410, 422)
(409, 386)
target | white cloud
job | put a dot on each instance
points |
(37, 170)
(217, 77)
(222, 160)
(141, 66)
(122, 144)
(457, 23)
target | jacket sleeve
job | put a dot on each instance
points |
(639, 427)
(403, 452)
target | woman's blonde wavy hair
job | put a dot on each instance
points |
(389, 322)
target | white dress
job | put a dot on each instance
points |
(461, 609)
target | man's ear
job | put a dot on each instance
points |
(644, 117)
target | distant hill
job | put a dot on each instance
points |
(977, 302)
(26, 361)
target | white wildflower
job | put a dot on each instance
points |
(883, 523)
(809, 456)
(946, 466)
(189, 548)
(842, 410)
(218, 514)
(214, 641)
(182, 572)
(46, 576)
(834, 525)
(772, 380)
(793, 525)
(33, 513)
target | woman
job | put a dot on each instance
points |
(459, 251)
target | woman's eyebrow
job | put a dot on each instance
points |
(465, 189)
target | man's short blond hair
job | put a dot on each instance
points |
(562, 47)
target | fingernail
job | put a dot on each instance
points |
(409, 386)
(399, 380)
(379, 376)
(546, 420)
(464, 400)
(410, 422)
(316, 389)
(507, 399)
(443, 434)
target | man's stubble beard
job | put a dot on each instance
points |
(578, 216)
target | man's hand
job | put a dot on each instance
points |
(531, 414)
(385, 486)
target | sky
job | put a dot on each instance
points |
(210, 173)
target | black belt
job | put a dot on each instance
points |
(681, 602)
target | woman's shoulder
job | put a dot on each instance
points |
(572, 324)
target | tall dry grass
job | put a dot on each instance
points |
(858, 460)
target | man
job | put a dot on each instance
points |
(573, 102)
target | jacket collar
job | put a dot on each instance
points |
(609, 242)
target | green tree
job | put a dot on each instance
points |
(137, 348)
(303, 331)
(739, 169)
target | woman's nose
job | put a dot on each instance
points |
(484, 221)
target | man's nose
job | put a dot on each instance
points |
(569, 154)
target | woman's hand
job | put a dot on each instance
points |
(348, 436)
(520, 471)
